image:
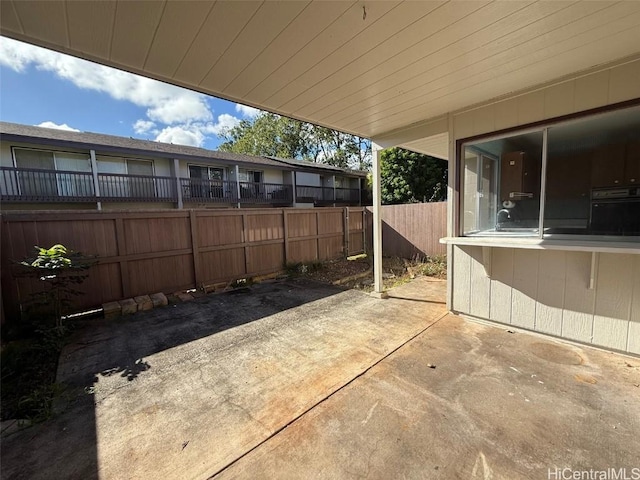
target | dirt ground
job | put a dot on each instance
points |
(357, 272)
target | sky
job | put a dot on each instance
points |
(44, 88)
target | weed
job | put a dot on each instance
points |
(303, 268)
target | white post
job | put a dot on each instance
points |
(238, 183)
(378, 286)
(452, 207)
(334, 191)
(295, 188)
(176, 173)
(94, 171)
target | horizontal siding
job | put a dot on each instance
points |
(548, 292)
(597, 89)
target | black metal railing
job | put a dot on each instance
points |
(145, 188)
(272, 193)
(40, 185)
(348, 195)
(322, 195)
(205, 190)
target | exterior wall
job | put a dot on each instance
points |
(542, 290)
(597, 89)
(548, 292)
(5, 155)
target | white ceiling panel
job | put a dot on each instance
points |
(365, 67)
(302, 30)
(46, 21)
(346, 27)
(225, 21)
(95, 39)
(134, 30)
(265, 25)
(178, 27)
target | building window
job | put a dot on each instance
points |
(206, 182)
(580, 177)
(53, 174)
(250, 176)
(126, 178)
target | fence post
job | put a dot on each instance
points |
(193, 226)
(122, 253)
(245, 242)
(317, 235)
(285, 221)
(345, 225)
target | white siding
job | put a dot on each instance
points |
(597, 89)
(548, 291)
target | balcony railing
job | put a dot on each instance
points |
(347, 195)
(204, 190)
(38, 185)
(137, 188)
(325, 195)
(272, 193)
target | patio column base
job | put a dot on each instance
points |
(379, 295)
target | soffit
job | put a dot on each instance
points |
(366, 68)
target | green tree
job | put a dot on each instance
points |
(409, 177)
(269, 134)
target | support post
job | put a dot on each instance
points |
(96, 181)
(334, 191)
(175, 171)
(378, 286)
(295, 188)
(238, 183)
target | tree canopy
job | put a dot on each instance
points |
(269, 134)
(409, 177)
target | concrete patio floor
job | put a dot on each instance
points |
(296, 379)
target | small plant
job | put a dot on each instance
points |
(59, 270)
(303, 268)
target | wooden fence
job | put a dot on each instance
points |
(411, 229)
(164, 251)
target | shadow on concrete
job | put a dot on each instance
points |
(66, 446)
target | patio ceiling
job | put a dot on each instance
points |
(376, 69)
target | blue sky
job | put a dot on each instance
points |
(41, 87)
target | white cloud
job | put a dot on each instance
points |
(192, 134)
(225, 122)
(165, 103)
(143, 126)
(181, 135)
(247, 111)
(62, 126)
